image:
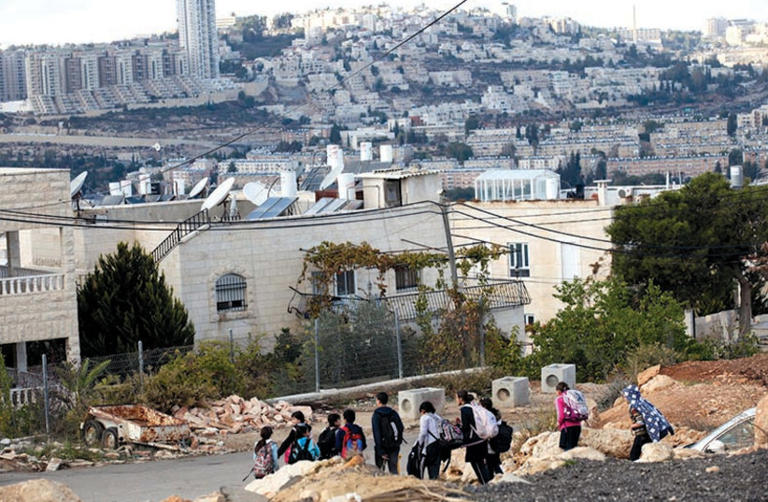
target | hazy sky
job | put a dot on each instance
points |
(61, 21)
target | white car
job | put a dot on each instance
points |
(737, 433)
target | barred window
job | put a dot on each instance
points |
(230, 293)
(406, 278)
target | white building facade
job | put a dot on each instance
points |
(198, 36)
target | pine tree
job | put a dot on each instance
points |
(124, 300)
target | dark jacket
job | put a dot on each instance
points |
(354, 429)
(476, 452)
(394, 418)
(288, 441)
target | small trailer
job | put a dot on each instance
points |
(111, 426)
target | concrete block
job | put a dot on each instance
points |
(509, 392)
(408, 401)
(555, 373)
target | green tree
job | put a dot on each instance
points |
(124, 300)
(601, 322)
(471, 124)
(694, 243)
(732, 124)
(459, 151)
(335, 137)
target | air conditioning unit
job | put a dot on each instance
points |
(555, 373)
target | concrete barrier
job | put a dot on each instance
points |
(509, 392)
(408, 401)
(554, 373)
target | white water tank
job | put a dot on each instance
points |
(178, 186)
(385, 153)
(552, 189)
(288, 183)
(346, 184)
(114, 188)
(366, 151)
(144, 184)
(737, 177)
(334, 153)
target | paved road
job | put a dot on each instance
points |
(153, 481)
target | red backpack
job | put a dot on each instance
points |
(352, 441)
(263, 464)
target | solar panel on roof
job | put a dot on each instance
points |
(134, 200)
(259, 211)
(318, 206)
(166, 197)
(151, 198)
(112, 200)
(334, 206)
(352, 204)
(281, 205)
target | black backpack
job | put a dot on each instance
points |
(300, 453)
(389, 434)
(502, 441)
(327, 443)
(413, 466)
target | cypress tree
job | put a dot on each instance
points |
(124, 300)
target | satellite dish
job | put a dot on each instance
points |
(157, 147)
(77, 184)
(218, 195)
(331, 177)
(255, 192)
(198, 188)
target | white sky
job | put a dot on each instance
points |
(77, 21)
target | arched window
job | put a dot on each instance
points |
(230, 293)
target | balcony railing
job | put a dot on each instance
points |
(30, 284)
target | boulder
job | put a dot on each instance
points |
(38, 490)
(647, 374)
(270, 485)
(657, 383)
(53, 464)
(594, 413)
(761, 423)
(540, 464)
(655, 452)
(583, 452)
(611, 442)
(686, 453)
(508, 477)
(212, 497)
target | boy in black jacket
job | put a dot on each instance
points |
(387, 434)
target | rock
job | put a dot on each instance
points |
(594, 413)
(657, 383)
(584, 452)
(5, 442)
(38, 490)
(612, 442)
(686, 453)
(761, 423)
(271, 484)
(508, 477)
(655, 452)
(647, 374)
(212, 497)
(712, 468)
(175, 498)
(53, 464)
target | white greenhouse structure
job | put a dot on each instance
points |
(517, 184)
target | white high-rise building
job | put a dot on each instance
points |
(197, 35)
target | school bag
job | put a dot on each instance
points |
(327, 442)
(263, 464)
(389, 436)
(352, 441)
(486, 425)
(450, 436)
(299, 452)
(502, 441)
(413, 466)
(575, 405)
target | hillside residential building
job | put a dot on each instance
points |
(198, 36)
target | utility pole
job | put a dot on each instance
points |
(449, 245)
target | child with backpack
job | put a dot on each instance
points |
(499, 443)
(350, 439)
(476, 433)
(297, 418)
(265, 455)
(327, 439)
(387, 434)
(303, 448)
(571, 411)
(428, 442)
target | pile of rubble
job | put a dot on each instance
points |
(234, 415)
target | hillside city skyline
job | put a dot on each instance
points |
(89, 21)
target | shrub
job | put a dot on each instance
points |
(646, 355)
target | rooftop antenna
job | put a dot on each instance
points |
(198, 188)
(255, 192)
(219, 196)
(75, 189)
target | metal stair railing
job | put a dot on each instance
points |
(183, 229)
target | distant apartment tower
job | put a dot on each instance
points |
(715, 27)
(197, 35)
(512, 12)
(45, 74)
(13, 82)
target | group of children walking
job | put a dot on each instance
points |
(479, 429)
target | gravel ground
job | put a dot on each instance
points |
(741, 477)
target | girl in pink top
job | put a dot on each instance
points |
(570, 428)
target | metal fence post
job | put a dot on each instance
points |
(141, 365)
(231, 347)
(399, 347)
(317, 356)
(45, 395)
